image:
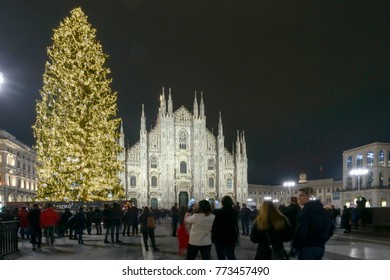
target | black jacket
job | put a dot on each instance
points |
(313, 226)
(225, 227)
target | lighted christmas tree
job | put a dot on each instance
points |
(76, 129)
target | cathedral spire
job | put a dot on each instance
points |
(143, 119)
(122, 136)
(163, 106)
(196, 114)
(220, 126)
(170, 104)
(201, 106)
(243, 144)
(238, 150)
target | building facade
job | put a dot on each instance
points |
(366, 173)
(180, 159)
(18, 180)
(328, 191)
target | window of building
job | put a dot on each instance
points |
(11, 160)
(153, 162)
(229, 183)
(381, 158)
(328, 190)
(349, 183)
(211, 182)
(381, 179)
(154, 181)
(388, 159)
(133, 181)
(370, 159)
(183, 167)
(183, 140)
(349, 162)
(359, 160)
(210, 164)
(370, 179)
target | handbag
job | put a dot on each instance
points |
(277, 253)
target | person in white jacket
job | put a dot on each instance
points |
(200, 234)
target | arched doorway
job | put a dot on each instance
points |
(154, 203)
(183, 199)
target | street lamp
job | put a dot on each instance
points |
(289, 184)
(358, 172)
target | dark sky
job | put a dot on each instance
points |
(305, 80)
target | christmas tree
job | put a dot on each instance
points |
(76, 129)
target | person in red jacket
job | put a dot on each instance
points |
(23, 223)
(48, 220)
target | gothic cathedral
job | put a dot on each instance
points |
(180, 160)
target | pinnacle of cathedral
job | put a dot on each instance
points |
(202, 115)
(196, 114)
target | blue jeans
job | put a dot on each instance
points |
(311, 253)
(225, 252)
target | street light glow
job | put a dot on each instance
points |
(358, 171)
(1, 79)
(289, 184)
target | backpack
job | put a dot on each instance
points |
(151, 222)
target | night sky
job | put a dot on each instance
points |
(305, 80)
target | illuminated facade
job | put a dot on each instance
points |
(18, 181)
(373, 181)
(366, 173)
(326, 190)
(180, 159)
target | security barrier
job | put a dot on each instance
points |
(8, 237)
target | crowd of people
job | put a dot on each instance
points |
(306, 224)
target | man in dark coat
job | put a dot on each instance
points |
(245, 214)
(35, 226)
(313, 228)
(107, 222)
(116, 215)
(175, 218)
(225, 230)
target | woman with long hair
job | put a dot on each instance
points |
(200, 234)
(270, 226)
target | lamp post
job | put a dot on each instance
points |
(289, 184)
(358, 172)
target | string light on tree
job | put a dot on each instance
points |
(76, 129)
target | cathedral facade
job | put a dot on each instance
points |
(180, 160)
